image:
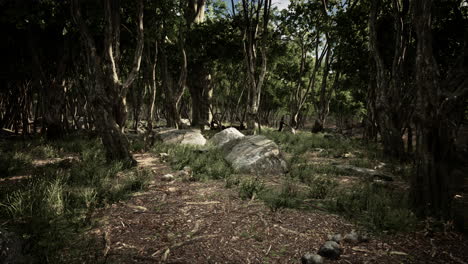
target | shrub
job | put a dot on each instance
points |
(250, 187)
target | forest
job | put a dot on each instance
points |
(234, 131)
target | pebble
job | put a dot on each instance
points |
(309, 258)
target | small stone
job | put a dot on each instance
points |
(352, 237)
(336, 237)
(309, 258)
(167, 177)
(330, 249)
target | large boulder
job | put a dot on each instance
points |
(225, 136)
(254, 154)
(181, 136)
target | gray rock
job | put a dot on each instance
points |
(309, 258)
(225, 136)
(330, 249)
(352, 237)
(181, 136)
(252, 154)
(336, 237)
(167, 177)
(11, 248)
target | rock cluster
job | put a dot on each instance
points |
(331, 249)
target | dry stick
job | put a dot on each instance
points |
(107, 242)
(176, 245)
(203, 203)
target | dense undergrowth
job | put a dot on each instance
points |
(52, 208)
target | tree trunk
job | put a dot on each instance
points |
(108, 89)
(437, 108)
(392, 99)
(201, 93)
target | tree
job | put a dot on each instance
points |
(393, 96)
(255, 24)
(109, 90)
(442, 93)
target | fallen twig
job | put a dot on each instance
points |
(179, 244)
(203, 203)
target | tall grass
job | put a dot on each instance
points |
(205, 164)
(53, 208)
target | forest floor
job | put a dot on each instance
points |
(203, 221)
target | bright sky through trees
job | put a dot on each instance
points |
(281, 4)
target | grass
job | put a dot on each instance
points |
(376, 207)
(14, 163)
(288, 196)
(52, 210)
(205, 165)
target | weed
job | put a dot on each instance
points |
(232, 181)
(14, 163)
(45, 151)
(321, 186)
(363, 163)
(204, 164)
(137, 145)
(288, 197)
(375, 206)
(250, 187)
(308, 172)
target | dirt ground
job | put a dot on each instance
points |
(203, 222)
